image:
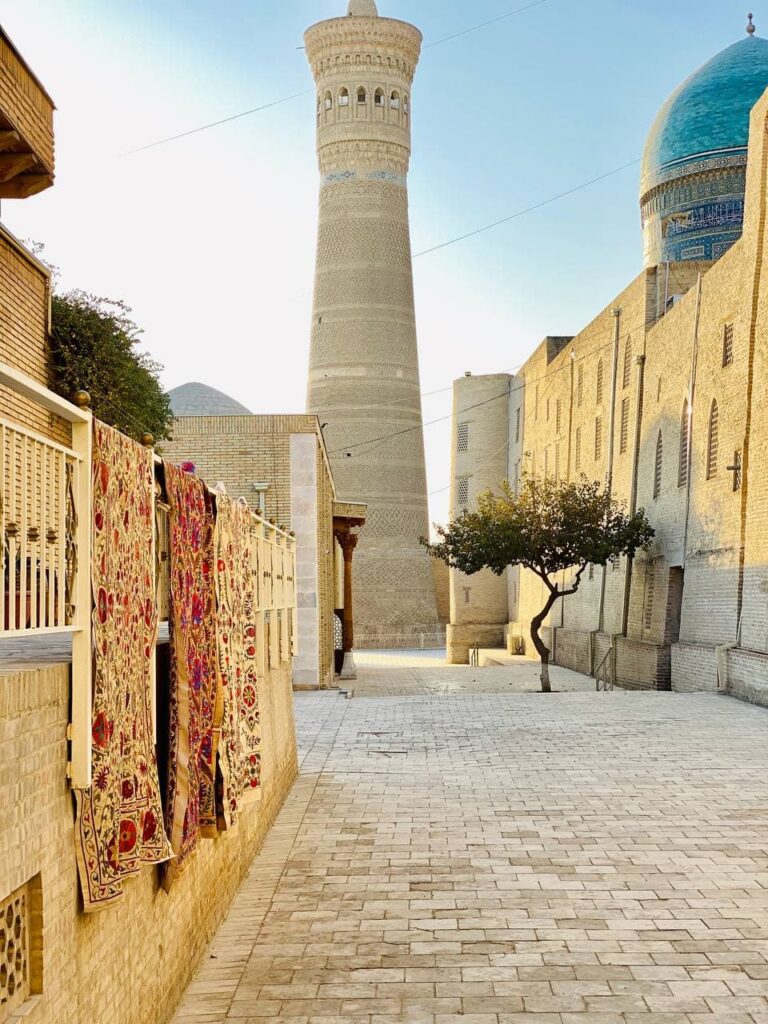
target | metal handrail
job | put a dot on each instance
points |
(604, 672)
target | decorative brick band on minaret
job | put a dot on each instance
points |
(364, 370)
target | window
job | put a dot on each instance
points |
(578, 449)
(517, 425)
(558, 416)
(362, 96)
(658, 390)
(685, 426)
(599, 388)
(627, 363)
(580, 386)
(598, 437)
(547, 410)
(557, 462)
(727, 344)
(378, 98)
(657, 466)
(624, 434)
(736, 470)
(328, 101)
(394, 100)
(462, 439)
(405, 104)
(713, 441)
(536, 404)
(591, 571)
(517, 477)
(546, 463)
(650, 586)
(344, 98)
(462, 491)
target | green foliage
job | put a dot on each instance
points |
(550, 526)
(94, 348)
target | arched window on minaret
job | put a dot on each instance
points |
(344, 97)
(328, 100)
(362, 96)
(378, 98)
(394, 100)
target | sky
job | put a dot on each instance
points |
(211, 239)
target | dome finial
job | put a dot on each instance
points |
(363, 8)
(750, 26)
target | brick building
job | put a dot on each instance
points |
(280, 465)
(663, 394)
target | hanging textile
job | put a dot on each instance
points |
(195, 705)
(119, 819)
(234, 576)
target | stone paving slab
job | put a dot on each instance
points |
(494, 858)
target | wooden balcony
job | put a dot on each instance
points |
(26, 127)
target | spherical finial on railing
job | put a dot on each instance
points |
(148, 440)
(82, 400)
(750, 26)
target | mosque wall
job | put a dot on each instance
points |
(679, 363)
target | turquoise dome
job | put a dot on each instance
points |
(694, 165)
(709, 112)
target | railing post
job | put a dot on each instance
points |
(82, 655)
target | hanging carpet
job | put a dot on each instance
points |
(119, 819)
(195, 708)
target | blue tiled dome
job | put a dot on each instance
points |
(709, 113)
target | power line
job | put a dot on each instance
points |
(306, 92)
(528, 209)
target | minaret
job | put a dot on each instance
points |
(364, 367)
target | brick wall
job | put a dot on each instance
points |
(130, 964)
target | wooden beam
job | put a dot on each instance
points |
(7, 139)
(25, 185)
(15, 164)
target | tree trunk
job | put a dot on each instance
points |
(541, 648)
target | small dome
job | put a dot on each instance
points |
(709, 113)
(196, 399)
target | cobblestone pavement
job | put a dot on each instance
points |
(413, 673)
(497, 858)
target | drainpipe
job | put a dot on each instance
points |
(611, 430)
(691, 396)
(640, 363)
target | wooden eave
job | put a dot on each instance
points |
(24, 168)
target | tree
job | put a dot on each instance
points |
(549, 527)
(94, 348)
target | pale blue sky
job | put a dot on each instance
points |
(211, 239)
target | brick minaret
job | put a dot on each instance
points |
(364, 368)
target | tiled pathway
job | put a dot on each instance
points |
(497, 858)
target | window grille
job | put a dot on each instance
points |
(650, 585)
(558, 415)
(657, 466)
(546, 463)
(14, 951)
(517, 477)
(727, 344)
(599, 437)
(627, 363)
(547, 410)
(682, 473)
(580, 386)
(557, 462)
(517, 425)
(591, 571)
(578, 449)
(462, 491)
(378, 98)
(736, 470)
(624, 434)
(599, 388)
(462, 440)
(713, 441)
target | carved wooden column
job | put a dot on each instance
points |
(348, 542)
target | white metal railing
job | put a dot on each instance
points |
(45, 526)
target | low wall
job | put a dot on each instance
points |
(461, 639)
(748, 676)
(641, 665)
(694, 668)
(573, 649)
(129, 964)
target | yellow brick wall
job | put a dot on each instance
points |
(326, 567)
(24, 316)
(130, 964)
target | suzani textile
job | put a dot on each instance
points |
(119, 819)
(239, 755)
(195, 710)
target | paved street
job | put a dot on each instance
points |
(493, 858)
